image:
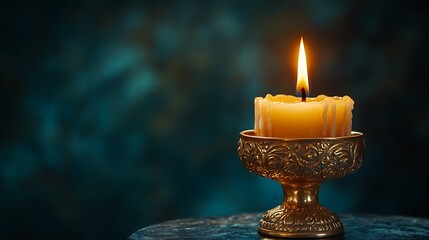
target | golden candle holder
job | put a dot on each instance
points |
(301, 166)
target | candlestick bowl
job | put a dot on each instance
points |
(301, 165)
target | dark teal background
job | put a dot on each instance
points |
(119, 115)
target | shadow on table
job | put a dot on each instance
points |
(264, 237)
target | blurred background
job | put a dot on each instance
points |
(116, 116)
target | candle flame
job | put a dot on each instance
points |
(302, 79)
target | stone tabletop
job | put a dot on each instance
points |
(244, 226)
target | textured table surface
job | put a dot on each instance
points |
(244, 226)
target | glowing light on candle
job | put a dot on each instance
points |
(287, 116)
(302, 87)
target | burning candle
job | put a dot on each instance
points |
(288, 116)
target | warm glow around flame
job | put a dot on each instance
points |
(302, 80)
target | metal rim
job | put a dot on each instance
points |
(251, 134)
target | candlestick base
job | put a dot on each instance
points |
(301, 166)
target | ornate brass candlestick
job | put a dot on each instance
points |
(301, 166)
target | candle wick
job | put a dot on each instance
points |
(303, 95)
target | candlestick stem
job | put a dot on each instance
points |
(300, 215)
(300, 195)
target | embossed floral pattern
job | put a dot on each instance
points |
(301, 219)
(312, 160)
(300, 166)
